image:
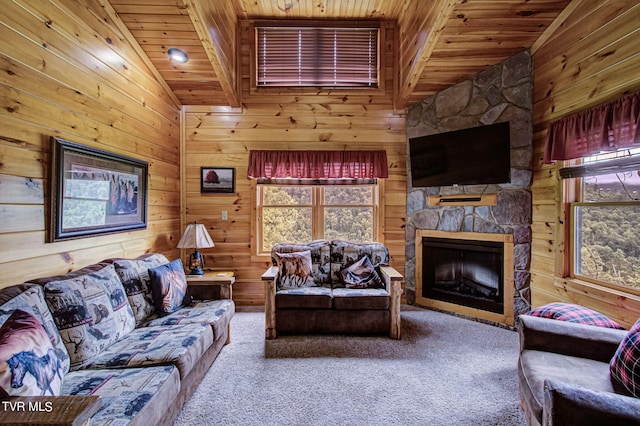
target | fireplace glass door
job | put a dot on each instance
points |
(464, 272)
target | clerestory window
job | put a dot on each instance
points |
(330, 56)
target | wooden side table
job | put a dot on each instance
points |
(203, 285)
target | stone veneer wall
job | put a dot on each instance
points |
(500, 93)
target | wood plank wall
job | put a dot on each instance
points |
(307, 120)
(67, 71)
(590, 59)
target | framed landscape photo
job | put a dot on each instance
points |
(94, 192)
(218, 180)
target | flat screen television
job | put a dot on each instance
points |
(473, 156)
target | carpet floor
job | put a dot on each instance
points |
(446, 370)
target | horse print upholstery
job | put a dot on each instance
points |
(30, 365)
(294, 270)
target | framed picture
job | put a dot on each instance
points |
(218, 180)
(94, 192)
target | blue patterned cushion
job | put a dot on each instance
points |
(216, 313)
(574, 313)
(134, 274)
(361, 274)
(294, 270)
(180, 345)
(126, 393)
(625, 364)
(29, 365)
(169, 287)
(90, 309)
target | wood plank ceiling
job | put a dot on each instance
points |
(441, 41)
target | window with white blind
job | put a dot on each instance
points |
(306, 56)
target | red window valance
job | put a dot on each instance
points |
(606, 127)
(318, 164)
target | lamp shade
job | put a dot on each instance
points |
(195, 236)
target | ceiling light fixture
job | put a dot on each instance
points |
(177, 55)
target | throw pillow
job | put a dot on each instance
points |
(294, 270)
(625, 364)
(134, 274)
(29, 363)
(574, 313)
(361, 274)
(169, 287)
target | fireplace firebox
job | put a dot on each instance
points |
(466, 272)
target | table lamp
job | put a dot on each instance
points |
(195, 236)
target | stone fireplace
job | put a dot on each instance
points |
(502, 92)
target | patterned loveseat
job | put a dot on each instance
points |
(98, 331)
(334, 287)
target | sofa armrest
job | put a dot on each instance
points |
(566, 404)
(269, 278)
(567, 338)
(393, 282)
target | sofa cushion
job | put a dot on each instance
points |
(304, 298)
(574, 313)
(363, 298)
(169, 287)
(216, 313)
(346, 253)
(320, 258)
(536, 366)
(90, 309)
(134, 274)
(625, 364)
(140, 393)
(180, 345)
(294, 270)
(29, 365)
(361, 274)
(30, 298)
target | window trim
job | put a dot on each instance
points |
(572, 190)
(256, 229)
(254, 89)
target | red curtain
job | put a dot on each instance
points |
(606, 127)
(318, 164)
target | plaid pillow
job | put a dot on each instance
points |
(574, 313)
(625, 364)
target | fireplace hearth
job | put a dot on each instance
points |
(467, 273)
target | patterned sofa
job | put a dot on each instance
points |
(97, 331)
(333, 287)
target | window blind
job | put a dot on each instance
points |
(316, 56)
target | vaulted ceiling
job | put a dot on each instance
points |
(440, 41)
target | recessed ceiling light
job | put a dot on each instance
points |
(177, 55)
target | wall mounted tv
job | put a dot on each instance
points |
(473, 156)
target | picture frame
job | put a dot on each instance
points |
(94, 192)
(218, 180)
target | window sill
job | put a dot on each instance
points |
(591, 289)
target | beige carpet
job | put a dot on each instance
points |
(445, 371)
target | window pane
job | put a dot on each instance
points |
(285, 224)
(624, 186)
(607, 244)
(350, 223)
(345, 195)
(287, 195)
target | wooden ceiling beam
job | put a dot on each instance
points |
(216, 25)
(424, 26)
